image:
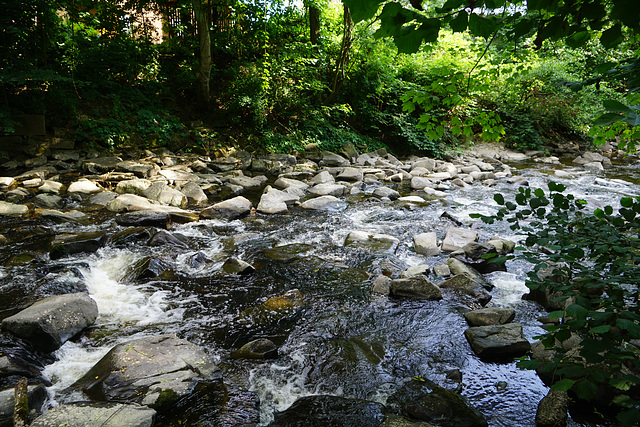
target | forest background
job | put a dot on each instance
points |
(275, 76)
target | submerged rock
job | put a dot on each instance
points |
(490, 316)
(153, 371)
(72, 243)
(464, 285)
(50, 322)
(257, 349)
(237, 266)
(109, 414)
(330, 411)
(415, 287)
(145, 218)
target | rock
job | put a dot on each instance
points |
(323, 177)
(258, 349)
(412, 200)
(288, 183)
(381, 285)
(48, 200)
(53, 187)
(7, 182)
(426, 244)
(442, 270)
(503, 246)
(85, 414)
(145, 219)
(131, 202)
(425, 401)
(456, 238)
(249, 182)
(418, 270)
(133, 186)
(330, 411)
(498, 341)
(275, 308)
(373, 242)
(229, 209)
(275, 201)
(101, 164)
(100, 200)
(11, 209)
(165, 195)
(415, 287)
(36, 396)
(141, 169)
(178, 177)
(475, 253)
(150, 267)
(392, 420)
(386, 192)
(194, 193)
(490, 316)
(154, 371)
(333, 160)
(84, 186)
(324, 203)
(50, 322)
(552, 409)
(236, 266)
(464, 285)
(596, 166)
(66, 244)
(458, 267)
(350, 174)
(418, 183)
(164, 238)
(328, 190)
(74, 216)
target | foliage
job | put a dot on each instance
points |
(594, 259)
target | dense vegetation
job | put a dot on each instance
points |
(276, 76)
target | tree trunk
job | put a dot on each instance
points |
(343, 58)
(204, 71)
(314, 25)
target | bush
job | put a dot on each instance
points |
(594, 260)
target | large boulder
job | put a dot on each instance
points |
(50, 322)
(490, 316)
(456, 238)
(425, 401)
(415, 287)
(552, 409)
(104, 414)
(132, 202)
(458, 267)
(275, 201)
(467, 288)
(153, 371)
(11, 209)
(498, 341)
(330, 411)
(426, 244)
(66, 244)
(228, 209)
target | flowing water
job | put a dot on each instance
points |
(336, 338)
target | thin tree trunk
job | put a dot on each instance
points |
(314, 25)
(343, 58)
(204, 71)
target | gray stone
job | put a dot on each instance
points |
(154, 371)
(323, 410)
(332, 159)
(415, 287)
(132, 202)
(48, 200)
(503, 246)
(50, 322)
(237, 266)
(373, 241)
(419, 183)
(36, 396)
(101, 164)
(328, 190)
(179, 177)
(72, 215)
(66, 244)
(386, 192)
(426, 244)
(257, 349)
(490, 316)
(467, 287)
(442, 270)
(498, 341)
(133, 186)
(229, 209)
(456, 238)
(381, 285)
(324, 203)
(145, 219)
(101, 199)
(552, 409)
(141, 169)
(7, 182)
(323, 177)
(287, 183)
(84, 186)
(274, 201)
(350, 174)
(249, 182)
(53, 187)
(417, 270)
(458, 267)
(194, 193)
(429, 164)
(86, 414)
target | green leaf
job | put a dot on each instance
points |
(499, 199)
(586, 390)
(563, 385)
(608, 118)
(612, 37)
(459, 23)
(362, 9)
(578, 39)
(615, 106)
(556, 314)
(633, 119)
(627, 202)
(481, 26)
(629, 325)
(630, 417)
(602, 329)
(577, 311)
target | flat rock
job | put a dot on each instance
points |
(84, 186)
(330, 411)
(50, 322)
(464, 285)
(498, 341)
(490, 316)
(153, 371)
(327, 189)
(415, 287)
(11, 209)
(372, 241)
(274, 201)
(133, 186)
(333, 160)
(249, 182)
(323, 177)
(145, 219)
(386, 192)
(85, 414)
(350, 174)
(456, 238)
(234, 208)
(324, 203)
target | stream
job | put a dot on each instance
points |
(337, 338)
